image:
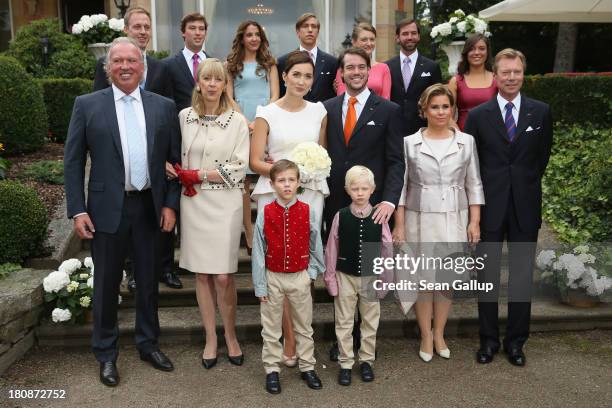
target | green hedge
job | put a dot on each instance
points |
(574, 99)
(59, 94)
(577, 186)
(23, 222)
(23, 118)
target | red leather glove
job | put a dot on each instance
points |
(188, 178)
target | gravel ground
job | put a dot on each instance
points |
(563, 370)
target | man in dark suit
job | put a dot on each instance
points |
(129, 135)
(182, 67)
(411, 74)
(138, 27)
(307, 30)
(513, 134)
(362, 129)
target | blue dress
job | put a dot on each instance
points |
(251, 90)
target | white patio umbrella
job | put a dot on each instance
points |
(572, 11)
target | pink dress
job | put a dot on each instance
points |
(379, 81)
(468, 98)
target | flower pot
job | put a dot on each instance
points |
(578, 298)
(98, 49)
(88, 316)
(453, 51)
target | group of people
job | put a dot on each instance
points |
(190, 134)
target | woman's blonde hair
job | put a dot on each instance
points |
(431, 92)
(214, 68)
(359, 172)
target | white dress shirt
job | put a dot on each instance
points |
(313, 53)
(137, 104)
(413, 59)
(362, 98)
(188, 54)
(515, 111)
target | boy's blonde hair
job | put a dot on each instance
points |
(359, 172)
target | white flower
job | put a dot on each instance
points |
(586, 258)
(86, 23)
(55, 281)
(572, 265)
(72, 286)
(546, 274)
(83, 276)
(90, 282)
(88, 262)
(116, 24)
(119, 300)
(77, 28)
(434, 32)
(445, 29)
(545, 259)
(85, 301)
(453, 20)
(581, 249)
(60, 315)
(69, 265)
(461, 26)
(313, 161)
(488, 34)
(459, 12)
(480, 26)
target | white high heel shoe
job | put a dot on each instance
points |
(444, 353)
(426, 357)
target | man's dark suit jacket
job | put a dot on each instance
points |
(324, 75)
(156, 82)
(426, 72)
(181, 82)
(512, 170)
(376, 143)
(94, 129)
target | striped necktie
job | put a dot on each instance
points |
(137, 152)
(509, 122)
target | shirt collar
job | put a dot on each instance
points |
(290, 204)
(413, 57)
(313, 51)
(360, 212)
(118, 93)
(502, 102)
(189, 54)
(361, 98)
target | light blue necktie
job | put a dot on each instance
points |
(137, 152)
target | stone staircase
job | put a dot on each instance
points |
(180, 321)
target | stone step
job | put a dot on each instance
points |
(183, 324)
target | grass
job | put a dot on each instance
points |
(44, 171)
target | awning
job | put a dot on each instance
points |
(572, 11)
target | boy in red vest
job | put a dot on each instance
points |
(353, 239)
(287, 255)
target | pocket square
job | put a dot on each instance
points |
(425, 74)
(529, 129)
(371, 123)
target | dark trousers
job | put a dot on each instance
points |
(138, 230)
(521, 256)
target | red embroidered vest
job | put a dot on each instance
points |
(287, 233)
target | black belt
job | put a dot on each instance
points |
(134, 193)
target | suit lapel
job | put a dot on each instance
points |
(336, 115)
(150, 118)
(495, 118)
(366, 114)
(151, 71)
(396, 73)
(320, 62)
(111, 116)
(416, 73)
(524, 117)
(182, 65)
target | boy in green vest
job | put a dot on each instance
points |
(345, 254)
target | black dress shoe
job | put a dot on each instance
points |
(131, 284)
(367, 374)
(484, 355)
(171, 280)
(108, 374)
(344, 376)
(209, 363)
(273, 383)
(334, 352)
(236, 360)
(516, 357)
(312, 380)
(158, 360)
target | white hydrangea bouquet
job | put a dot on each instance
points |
(458, 27)
(582, 268)
(312, 160)
(70, 290)
(98, 28)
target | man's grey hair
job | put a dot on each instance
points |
(116, 41)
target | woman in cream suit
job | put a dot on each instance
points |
(215, 154)
(440, 203)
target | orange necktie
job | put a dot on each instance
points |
(351, 119)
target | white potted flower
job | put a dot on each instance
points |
(97, 31)
(581, 275)
(451, 35)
